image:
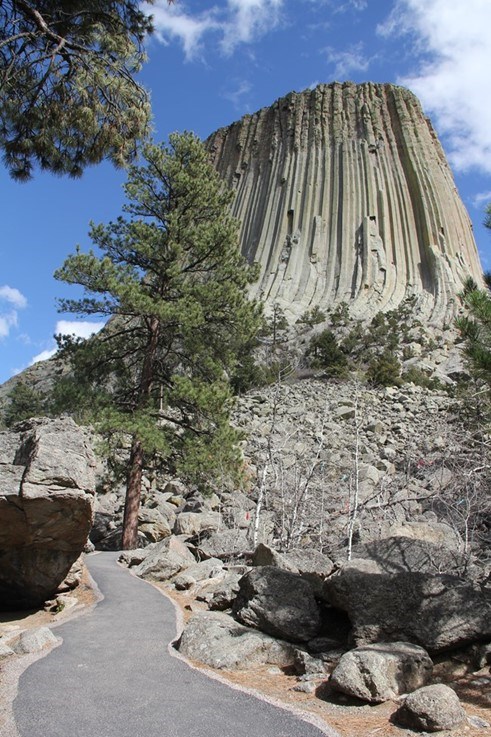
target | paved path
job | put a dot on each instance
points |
(113, 677)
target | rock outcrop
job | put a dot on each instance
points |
(432, 708)
(217, 640)
(47, 484)
(344, 194)
(438, 612)
(383, 671)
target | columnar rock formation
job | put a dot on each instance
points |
(344, 194)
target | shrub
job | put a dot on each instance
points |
(384, 370)
(24, 402)
(325, 353)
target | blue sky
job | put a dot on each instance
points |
(210, 63)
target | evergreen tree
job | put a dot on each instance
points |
(325, 353)
(384, 369)
(475, 328)
(174, 283)
(24, 402)
(68, 97)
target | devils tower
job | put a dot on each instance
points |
(344, 194)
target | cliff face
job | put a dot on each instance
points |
(344, 194)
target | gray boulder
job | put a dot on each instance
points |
(400, 553)
(153, 524)
(47, 485)
(307, 665)
(382, 671)
(438, 612)
(5, 650)
(35, 640)
(278, 602)
(165, 560)
(309, 563)
(219, 641)
(222, 594)
(224, 544)
(198, 572)
(431, 708)
(190, 523)
(238, 510)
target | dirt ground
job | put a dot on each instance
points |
(13, 624)
(349, 718)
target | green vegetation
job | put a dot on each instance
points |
(23, 402)
(313, 317)
(68, 97)
(384, 370)
(475, 328)
(171, 278)
(324, 352)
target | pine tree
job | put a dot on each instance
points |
(24, 402)
(475, 328)
(175, 285)
(68, 97)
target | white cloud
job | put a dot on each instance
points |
(453, 43)
(234, 21)
(81, 329)
(351, 5)
(9, 317)
(481, 198)
(248, 20)
(171, 22)
(7, 321)
(13, 296)
(236, 95)
(351, 60)
(43, 356)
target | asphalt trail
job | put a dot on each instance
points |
(114, 677)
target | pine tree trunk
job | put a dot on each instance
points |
(135, 467)
(133, 494)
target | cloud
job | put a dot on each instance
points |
(171, 22)
(13, 296)
(248, 20)
(351, 5)
(81, 329)
(236, 95)
(351, 60)
(452, 41)
(9, 317)
(43, 356)
(235, 22)
(481, 198)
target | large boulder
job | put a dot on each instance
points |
(438, 612)
(399, 553)
(201, 571)
(220, 594)
(219, 641)
(223, 544)
(432, 709)
(164, 560)
(382, 671)
(309, 563)
(278, 602)
(191, 523)
(47, 486)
